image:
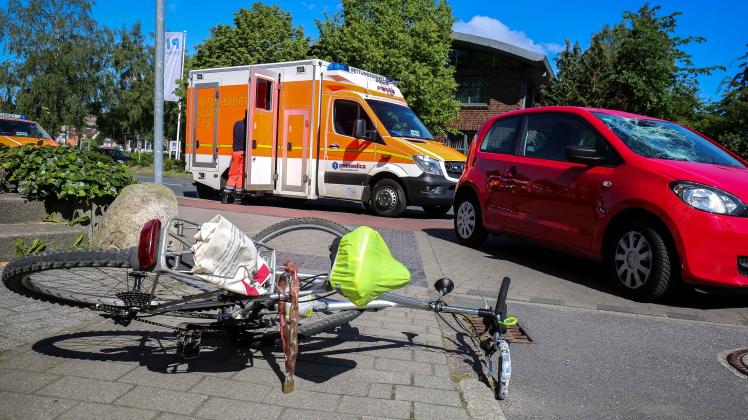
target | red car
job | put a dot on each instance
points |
(655, 201)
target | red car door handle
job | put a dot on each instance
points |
(494, 182)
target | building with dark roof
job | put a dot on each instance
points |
(493, 77)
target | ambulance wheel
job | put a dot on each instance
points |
(388, 198)
(206, 192)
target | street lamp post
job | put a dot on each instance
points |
(158, 97)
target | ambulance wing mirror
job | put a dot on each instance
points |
(359, 129)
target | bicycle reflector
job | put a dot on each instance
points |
(148, 244)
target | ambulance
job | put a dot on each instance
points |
(316, 129)
(17, 130)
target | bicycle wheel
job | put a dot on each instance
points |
(95, 277)
(310, 243)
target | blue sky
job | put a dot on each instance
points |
(541, 24)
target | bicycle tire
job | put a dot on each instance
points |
(74, 289)
(333, 320)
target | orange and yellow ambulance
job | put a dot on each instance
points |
(17, 130)
(316, 129)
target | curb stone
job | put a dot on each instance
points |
(479, 400)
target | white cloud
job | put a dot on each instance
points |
(489, 27)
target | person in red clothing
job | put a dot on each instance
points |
(234, 187)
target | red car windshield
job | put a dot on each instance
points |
(666, 140)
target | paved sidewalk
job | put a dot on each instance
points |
(388, 364)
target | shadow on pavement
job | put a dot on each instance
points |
(156, 350)
(585, 272)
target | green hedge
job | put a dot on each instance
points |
(62, 173)
(146, 159)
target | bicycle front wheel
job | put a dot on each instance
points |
(94, 277)
(311, 243)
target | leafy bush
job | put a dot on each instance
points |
(146, 160)
(62, 173)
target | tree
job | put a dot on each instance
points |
(406, 40)
(54, 49)
(260, 34)
(727, 119)
(126, 111)
(637, 66)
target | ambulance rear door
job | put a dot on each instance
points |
(205, 125)
(262, 119)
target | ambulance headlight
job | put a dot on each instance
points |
(428, 165)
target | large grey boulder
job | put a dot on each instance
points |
(136, 204)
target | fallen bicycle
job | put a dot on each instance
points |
(223, 282)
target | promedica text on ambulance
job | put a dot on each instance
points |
(316, 129)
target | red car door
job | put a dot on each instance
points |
(556, 198)
(492, 159)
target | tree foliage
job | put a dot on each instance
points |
(54, 49)
(406, 40)
(260, 34)
(126, 110)
(637, 65)
(727, 119)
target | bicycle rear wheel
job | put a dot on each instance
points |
(94, 277)
(311, 243)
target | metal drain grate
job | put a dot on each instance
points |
(738, 359)
(514, 335)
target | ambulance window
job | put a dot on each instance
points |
(264, 94)
(345, 114)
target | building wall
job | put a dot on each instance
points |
(472, 117)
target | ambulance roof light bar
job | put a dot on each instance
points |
(346, 67)
(18, 116)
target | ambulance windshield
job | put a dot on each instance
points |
(22, 129)
(399, 120)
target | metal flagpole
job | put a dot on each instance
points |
(158, 97)
(179, 104)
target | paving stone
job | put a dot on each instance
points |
(383, 391)
(378, 376)
(398, 353)
(237, 390)
(375, 407)
(258, 376)
(221, 408)
(96, 411)
(92, 369)
(359, 389)
(615, 308)
(404, 366)
(162, 400)
(23, 381)
(85, 389)
(175, 381)
(31, 361)
(429, 411)
(427, 395)
(479, 400)
(296, 414)
(441, 370)
(435, 356)
(304, 399)
(22, 406)
(427, 381)
(683, 315)
(172, 416)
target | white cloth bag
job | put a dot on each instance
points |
(226, 257)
